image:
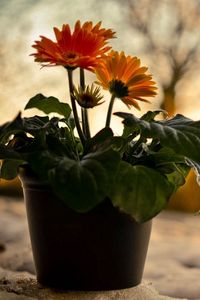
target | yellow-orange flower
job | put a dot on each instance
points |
(82, 48)
(125, 79)
(89, 97)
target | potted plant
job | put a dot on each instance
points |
(90, 199)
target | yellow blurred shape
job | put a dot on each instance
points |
(10, 187)
(187, 198)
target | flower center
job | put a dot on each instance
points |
(87, 100)
(71, 55)
(118, 88)
(70, 58)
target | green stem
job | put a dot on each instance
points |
(110, 108)
(82, 78)
(73, 102)
(84, 112)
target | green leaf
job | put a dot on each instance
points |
(196, 168)
(71, 123)
(165, 160)
(109, 159)
(177, 177)
(6, 152)
(59, 148)
(150, 115)
(10, 128)
(179, 133)
(78, 186)
(166, 155)
(140, 191)
(42, 162)
(34, 124)
(9, 168)
(100, 138)
(20, 125)
(105, 140)
(129, 127)
(83, 184)
(49, 105)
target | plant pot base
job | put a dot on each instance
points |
(103, 249)
(80, 286)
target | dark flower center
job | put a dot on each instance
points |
(71, 55)
(118, 88)
(87, 99)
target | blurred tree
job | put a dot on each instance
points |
(168, 33)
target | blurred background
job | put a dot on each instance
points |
(165, 34)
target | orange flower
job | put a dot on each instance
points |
(82, 48)
(106, 33)
(125, 79)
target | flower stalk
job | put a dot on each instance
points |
(74, 109)
(84, 112)
(110, 108)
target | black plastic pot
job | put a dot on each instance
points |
(103, 249)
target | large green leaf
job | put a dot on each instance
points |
(83, 184)
(49, 105)
(9, 168)
(164, 156)
(56, 146)
(34, 124)
(100, 138)
(20, 125)
(150, 115)
(41, 162)
(179, 133)
(140, 191)
(105, 140)
(166, 161)
(10, 128)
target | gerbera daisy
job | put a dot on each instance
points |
(89, 97)
(125, 79)
(82, 48)
(106, 33)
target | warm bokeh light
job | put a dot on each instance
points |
(21, 78)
